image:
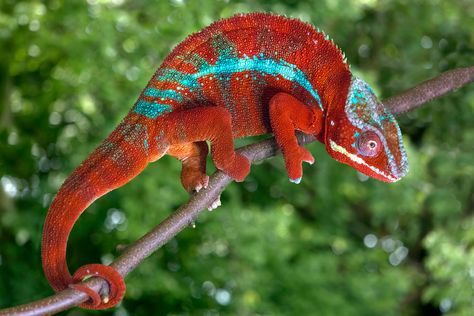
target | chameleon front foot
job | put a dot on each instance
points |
(288, 115)
(237, 169)
(294, 163)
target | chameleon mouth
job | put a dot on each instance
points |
(361, 161)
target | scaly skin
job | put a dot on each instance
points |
(247, 75)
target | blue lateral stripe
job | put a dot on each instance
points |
(183, 79)
(165, 94)
(231, 65)
(151, 109)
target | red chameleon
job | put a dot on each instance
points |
(250, 74)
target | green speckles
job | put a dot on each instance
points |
(136, 134)
(161, 142)
(118, 155)
(163, 94)
(195, 59)
(181, 78)
(151, 109)
(223, 46)
(133, 133)
(113, 151)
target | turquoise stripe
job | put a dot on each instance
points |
(174, 75)
(264, 65)
(151, 109)
(231, 65)
(164, 94)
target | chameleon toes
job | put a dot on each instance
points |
(306, 156)
(295, 181)
(215, 204)
(195, 182)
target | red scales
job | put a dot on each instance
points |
(246, 75)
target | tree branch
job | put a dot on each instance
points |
(176, 222)
(429, 90)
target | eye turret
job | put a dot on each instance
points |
(369, 144)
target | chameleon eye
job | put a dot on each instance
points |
(369, 144)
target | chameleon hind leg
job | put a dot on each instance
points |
(193, 172)
(288, 114)
(207, 123)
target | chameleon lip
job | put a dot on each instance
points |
(361, 161)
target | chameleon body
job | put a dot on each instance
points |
(246, 75)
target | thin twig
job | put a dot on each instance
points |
(177, 221)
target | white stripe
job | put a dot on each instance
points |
(360, 161)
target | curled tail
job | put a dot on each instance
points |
(122, 156)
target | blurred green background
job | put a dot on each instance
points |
(337, 244)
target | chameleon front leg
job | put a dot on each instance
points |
(288, 114)
(200, 124)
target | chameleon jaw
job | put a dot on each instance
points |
(360, 161)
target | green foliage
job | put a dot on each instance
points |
(336, 244)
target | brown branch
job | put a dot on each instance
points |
(176, 222)
(429, 90)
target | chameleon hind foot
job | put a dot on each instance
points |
(193, 159)
(194, 181)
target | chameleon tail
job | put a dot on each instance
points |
(115, 162)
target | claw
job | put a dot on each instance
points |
(294, 160)
(306, 156)
(215, 204)
(297, 181)
(195, 183)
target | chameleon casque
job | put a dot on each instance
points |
(250, 74)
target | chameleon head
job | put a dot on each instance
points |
(366, 135)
